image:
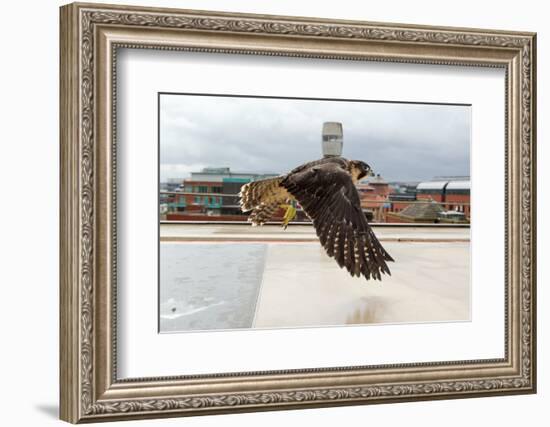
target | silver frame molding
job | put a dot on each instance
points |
(90, 36)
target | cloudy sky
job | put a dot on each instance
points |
(409, 142)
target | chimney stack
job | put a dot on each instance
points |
(333, 139)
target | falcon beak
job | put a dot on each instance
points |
(371, 173)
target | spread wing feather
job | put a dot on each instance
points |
(329, 197)
(263, 198)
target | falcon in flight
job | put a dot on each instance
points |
(325, 189)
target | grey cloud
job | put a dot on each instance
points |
(400, 141)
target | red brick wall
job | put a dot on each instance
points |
(433, 196)
(399, 206)
(381, 189)
(453, 200)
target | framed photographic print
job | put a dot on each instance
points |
(266, 212)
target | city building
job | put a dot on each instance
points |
(374, 192)
(400, 197)
(418, 211)
(212, 193)
(457, 197)
(452, 192)
(167, 200)
(398, 202)
(172, 184)
(444, 199)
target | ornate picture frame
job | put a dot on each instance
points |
(90, 37)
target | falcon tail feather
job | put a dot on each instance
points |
(254, 193)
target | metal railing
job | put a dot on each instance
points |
(188, 193)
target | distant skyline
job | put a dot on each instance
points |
(401, 142)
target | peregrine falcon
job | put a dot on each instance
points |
(325, 189)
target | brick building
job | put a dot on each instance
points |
(440, 200)
(374, 192)
(211, 193)
(453, 193)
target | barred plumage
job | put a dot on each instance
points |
(263, 198)
(263, 213)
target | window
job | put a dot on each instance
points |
(203, 189)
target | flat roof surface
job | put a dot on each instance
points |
(306, 232)
(458, 185)
(274, 279)
(431, 185)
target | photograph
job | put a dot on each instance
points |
(279, 212)
(263, 212)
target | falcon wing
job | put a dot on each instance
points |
(329, 197)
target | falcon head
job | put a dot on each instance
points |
(359, 169)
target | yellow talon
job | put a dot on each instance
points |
(290, 214)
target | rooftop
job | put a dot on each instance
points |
(450, 183)
(270, 278)
(425, 211)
